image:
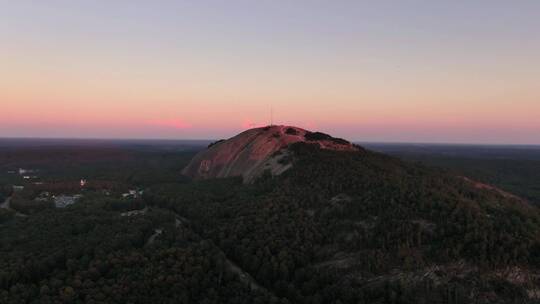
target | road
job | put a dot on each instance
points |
(5, 204)
(244, 276)
(153, 237)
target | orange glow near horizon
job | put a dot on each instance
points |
(364, 73)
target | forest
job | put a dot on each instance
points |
(367, 228)
(515, 169)
(339, 227)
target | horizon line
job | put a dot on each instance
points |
(389, 142)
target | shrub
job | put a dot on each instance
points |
(215, 143)
(291, 131)
(314, 136)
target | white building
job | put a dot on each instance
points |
(18, 188)
(63, 201)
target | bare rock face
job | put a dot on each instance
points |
(255, 151)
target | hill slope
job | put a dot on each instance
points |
(337, 226)
(356, 226)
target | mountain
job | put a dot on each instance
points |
(326, 222)
(335, 223)
(251, 153)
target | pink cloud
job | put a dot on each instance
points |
(249, 124)
(311, 126)
(175, 123)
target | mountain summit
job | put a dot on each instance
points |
(347, 225)
(252, 152)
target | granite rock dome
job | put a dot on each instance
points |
(257, 150)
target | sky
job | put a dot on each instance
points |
(387, 71)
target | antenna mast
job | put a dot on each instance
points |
(271, 116)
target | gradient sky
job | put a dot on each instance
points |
(420, 71)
